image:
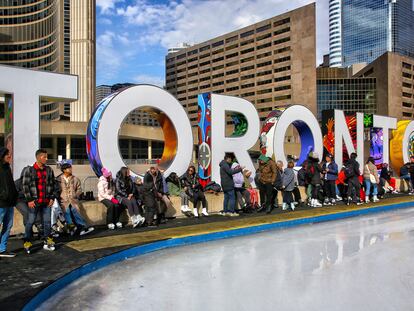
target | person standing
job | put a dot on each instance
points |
(69, 193)
(330, 171)
(288, 185)
(314, 171)
(227, 184)
(352, 174)
(39, 190)
(266, 173)
(8, 199)
(371, 180)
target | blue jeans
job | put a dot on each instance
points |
(70, 210)
(6, 218)
(368, 184)
(229, 201)
(46, 216)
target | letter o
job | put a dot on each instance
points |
(104, 126)
(408, 132)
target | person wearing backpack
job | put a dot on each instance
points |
(330, 171)
(314, 177)
(371, 180)
(352, 174)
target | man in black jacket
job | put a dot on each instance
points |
(227, 184)
(8, 199)
(39, 190)
(352, 173)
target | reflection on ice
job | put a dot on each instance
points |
(355, 264)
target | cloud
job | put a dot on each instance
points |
(149, 79)
(107, 6)
(194, 21)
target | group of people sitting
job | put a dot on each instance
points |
(51, 204)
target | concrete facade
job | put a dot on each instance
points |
(271, 64)
(395, 92)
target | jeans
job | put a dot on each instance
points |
(229, 201)
(243, 197)
(368, 184)
(184, 198)
(70, 210)
(57, 214)
(6, 219)
(46, 216)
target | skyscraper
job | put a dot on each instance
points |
(335, 33)
(372, 27)
(52, 35)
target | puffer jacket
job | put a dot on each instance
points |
(105, 189)
(226, 175)
(288, 179)
(370, 168)
(123, 187)
(239, 179)
(267, 172)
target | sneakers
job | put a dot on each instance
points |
(27, 246)
(233, 214)
(111, 226)
(72, 229)
(7, 254)
(185, 209)
(284, 207)
(204, 212)
(86, 230)
(375, 199)
(338, 198)
(49, 244)
(195, 212)
(367, 200)
(119, 224)
(292, 206)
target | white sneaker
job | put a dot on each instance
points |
(134, 221)
(292, 206)
(141, 220)
(367, 200)
(375, 198)
(185, 209)
(284, 207)
(338, 198)
(204, 212)
(195, 212)
(111, 226)
(119, 224)
(86, 230)
(317, 204)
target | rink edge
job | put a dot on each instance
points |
(135, 251)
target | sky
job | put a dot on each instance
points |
(133, 36)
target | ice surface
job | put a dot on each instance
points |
(364, 263)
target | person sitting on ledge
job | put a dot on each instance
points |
(125, 195)
(175, 188)
(69, 193)
(106, 190)
(194, 190)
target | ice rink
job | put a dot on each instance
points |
(364, 263)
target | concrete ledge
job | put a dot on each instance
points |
(95, 212)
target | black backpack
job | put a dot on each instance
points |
(349, 170)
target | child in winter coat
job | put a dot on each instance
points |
(288, 181)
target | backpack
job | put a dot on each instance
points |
(213, 186)
(349, 171)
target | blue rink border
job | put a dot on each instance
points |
(64, 281)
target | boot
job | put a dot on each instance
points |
(204, 212)
(269, 209)
(284, 206)
(375, 198)
(292, 206)
(195, 212)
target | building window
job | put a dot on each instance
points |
(263, 28)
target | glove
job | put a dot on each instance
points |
(115, 201)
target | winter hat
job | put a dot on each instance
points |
(64, 166)
(106, 173)
(3, 152)
(264, 158)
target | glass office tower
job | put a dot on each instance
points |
(335, 33)
(373, 27)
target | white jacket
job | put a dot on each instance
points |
(103, 191)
